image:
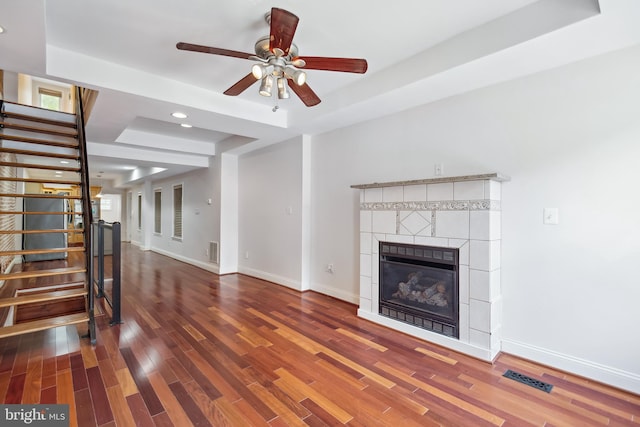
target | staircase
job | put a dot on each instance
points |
(52, 290)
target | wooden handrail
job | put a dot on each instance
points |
(87, 214)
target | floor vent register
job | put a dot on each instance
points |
(524, 379)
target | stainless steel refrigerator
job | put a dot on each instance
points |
(45, 222)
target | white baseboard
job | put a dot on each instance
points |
(585, 368)
(280, 280)
(336, 293)
(200, 264)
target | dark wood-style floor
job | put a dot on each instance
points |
(198, 349)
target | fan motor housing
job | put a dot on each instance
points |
(262, 49)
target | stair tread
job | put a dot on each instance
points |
(28, 140)
(36, 166)
(40, 180)
(40, 325)
(41, 196)
(42, 297)
(38, 129)
(42, 273)
(50, 230)
(19, 116)
(37, 213)
(39, 153)
(42, 251)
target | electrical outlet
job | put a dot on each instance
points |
(438, 169)
(206, 251)
(246, 255)
(330, 268)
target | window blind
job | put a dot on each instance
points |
(177, 211)
(157, 213)
(139, 211)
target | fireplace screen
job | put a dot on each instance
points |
(419, 285)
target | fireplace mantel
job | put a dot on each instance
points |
(490, 176)
(460, 212)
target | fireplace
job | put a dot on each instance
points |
(419, 286)
(459, 216)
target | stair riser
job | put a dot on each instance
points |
(38, 311)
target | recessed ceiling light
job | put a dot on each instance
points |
(186, 125)
(179, 115)
(64, 162)
(1, 29)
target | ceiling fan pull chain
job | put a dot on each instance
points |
(275, 97)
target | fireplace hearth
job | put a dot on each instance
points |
(419, 286)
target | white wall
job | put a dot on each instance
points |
(270, 214)
(200, 219)
(569, 138)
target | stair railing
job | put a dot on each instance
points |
(98, 253)
(87, 214)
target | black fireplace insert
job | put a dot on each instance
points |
(419, 286)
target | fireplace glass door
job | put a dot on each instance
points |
(419, 285)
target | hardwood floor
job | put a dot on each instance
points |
(198, 349)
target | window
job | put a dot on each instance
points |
(157, 211)
(51, 99)
(177, 211)
(139, 211)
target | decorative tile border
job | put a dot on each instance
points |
(444, 205)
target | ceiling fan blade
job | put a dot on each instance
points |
(283, 27)
(242, 85)
(346, 65)
(305, 94)
(213, 50)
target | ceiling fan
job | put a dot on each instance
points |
(279, 63)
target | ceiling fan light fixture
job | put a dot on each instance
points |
(179, 115)
(283, 92)
(298, 76)
(266, 85)
(260, 71)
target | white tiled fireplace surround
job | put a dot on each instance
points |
(457, 212)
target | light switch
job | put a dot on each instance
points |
(550, 216)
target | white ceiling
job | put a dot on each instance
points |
(419, 51)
